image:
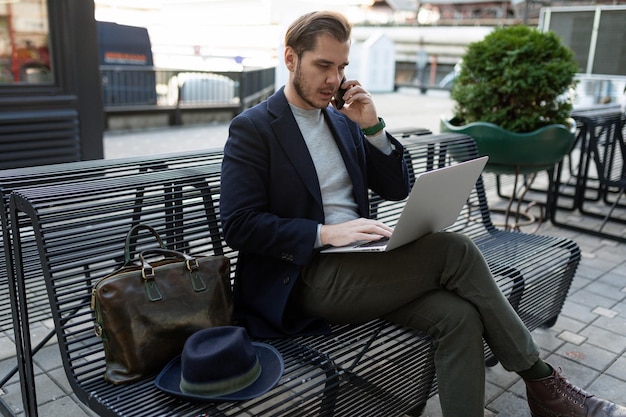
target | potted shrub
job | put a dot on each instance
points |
(512, 97)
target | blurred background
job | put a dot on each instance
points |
(120, 65)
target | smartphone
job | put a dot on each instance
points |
(339, 102)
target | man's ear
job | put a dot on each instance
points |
(291, 58)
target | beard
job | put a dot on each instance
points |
(300, 87)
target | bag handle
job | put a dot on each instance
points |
(147, 271)
(190, 261)
(133, 232)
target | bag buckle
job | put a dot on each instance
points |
(97, 328)
(197, 283)
(192, 264)
(147, 272)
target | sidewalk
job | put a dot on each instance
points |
(588, 341)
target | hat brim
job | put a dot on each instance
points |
(272, 368)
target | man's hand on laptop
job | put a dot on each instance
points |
(362, 229)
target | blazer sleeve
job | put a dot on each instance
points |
(387, 175)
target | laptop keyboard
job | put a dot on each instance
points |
(374, 243)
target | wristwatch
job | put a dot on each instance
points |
(372, 130)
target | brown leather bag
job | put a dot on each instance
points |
(144, 312)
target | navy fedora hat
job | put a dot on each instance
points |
(221, 363)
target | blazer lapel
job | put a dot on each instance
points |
(290, 139)
(288, 136)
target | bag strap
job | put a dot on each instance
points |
(190, 261)
(131, 238)
(147, 271)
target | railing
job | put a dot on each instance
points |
(152, 90)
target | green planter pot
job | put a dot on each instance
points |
(511, 153)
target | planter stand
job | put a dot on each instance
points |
(517, 217)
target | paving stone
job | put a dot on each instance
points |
(588, 355)
(620, 307)
(576, 316)
(590, 299)
(7, 348)
(618, 368)
(572, 337)
(585, 271)
(519, 388)
(605, 312)
(500, 377)
(578, 374)
(64, 406)
(580, 281)
(602, 263)
(616, 280)
(606, 339)
(12, 398)
(604, 290)
(547, 338)
(615, 324)
(509, 405)
(609, 388)
(491, 392)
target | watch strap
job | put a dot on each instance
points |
(372, 130)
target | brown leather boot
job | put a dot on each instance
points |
(555, 396)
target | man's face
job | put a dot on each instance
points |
(316, 75)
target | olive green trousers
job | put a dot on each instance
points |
(439, 284)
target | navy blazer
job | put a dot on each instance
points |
(271, 206)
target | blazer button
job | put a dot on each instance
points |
(286, 280)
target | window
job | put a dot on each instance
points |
(24, 42)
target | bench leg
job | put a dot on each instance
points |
(550, 323)
(321, 360)
(417, 410)
(331, 390)
(566, 280)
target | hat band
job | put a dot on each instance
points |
(223, 387)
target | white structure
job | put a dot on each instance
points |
(376, 63)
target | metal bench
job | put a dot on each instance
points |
(36, 304)
(71, 232)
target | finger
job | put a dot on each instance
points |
(375, 227)
(352, 83)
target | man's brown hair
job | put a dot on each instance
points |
(303, 32)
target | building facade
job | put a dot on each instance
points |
(50, 87)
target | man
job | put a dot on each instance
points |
(295, 177)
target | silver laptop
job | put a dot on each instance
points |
(434, 203)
